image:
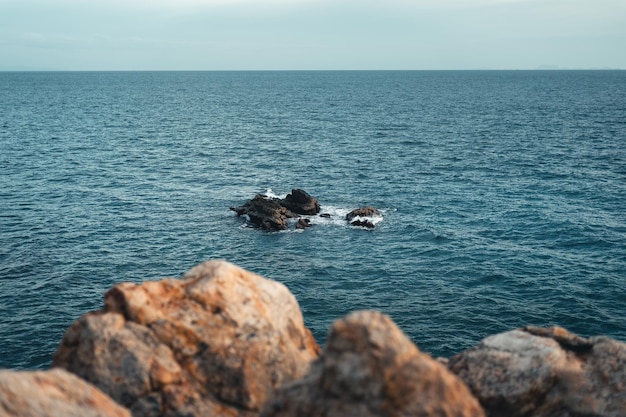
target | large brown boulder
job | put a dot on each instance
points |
(535, 372)
(370, 368)
(55, 393)
(219, 341)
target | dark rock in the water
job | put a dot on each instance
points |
(362, 223)
(362, 217)
(325, 215)
(266, 213)
(241, 210)
(303, 223)
(300, 202)
(363, 212)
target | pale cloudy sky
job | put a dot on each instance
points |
(311, 34)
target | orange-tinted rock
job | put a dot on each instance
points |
(370, 368)
(546, 373)
(219, 341)
(55, 393)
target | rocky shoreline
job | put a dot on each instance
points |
(222, 341)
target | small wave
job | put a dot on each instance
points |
(336, 216)
(330, 216)
(438, 238)
(368, 219)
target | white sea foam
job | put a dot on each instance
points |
(270, 194)
(372, 219)
(338, 216)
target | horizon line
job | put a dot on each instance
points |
(317, 70)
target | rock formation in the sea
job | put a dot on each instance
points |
(363, 217)
(370, 368)
(300, 202)
(54, 393)
(303, 223)
(535, 372)
(272, 213)
(217, 342)
(267, 213)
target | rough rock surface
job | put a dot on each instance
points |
(271, 214)
(55, 393)
(303, 223)
(370, 368)
(362, 217)
(300, 202)
(546, 372)
(266, 213)
(219, 341)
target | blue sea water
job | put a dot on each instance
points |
(503, 193)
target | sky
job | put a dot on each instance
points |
(311, 34)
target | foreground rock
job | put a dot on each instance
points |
(363, 217)
(216, 343)
(370, 368)
(55, 393)
(546, 373)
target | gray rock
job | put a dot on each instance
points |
(546, 373)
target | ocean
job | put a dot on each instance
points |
(503, 195)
